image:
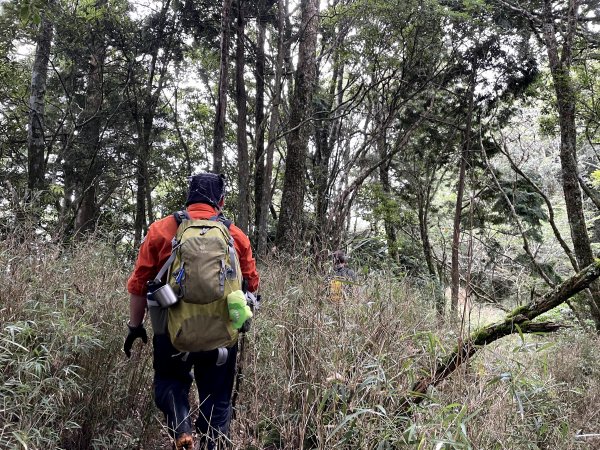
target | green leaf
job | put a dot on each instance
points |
(521, 335)
(24, 12)
(595, 175)
(547, 345)
(353, 416)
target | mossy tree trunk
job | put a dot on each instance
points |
(560, 67)
(519, 320)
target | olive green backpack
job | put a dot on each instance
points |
(203, 270)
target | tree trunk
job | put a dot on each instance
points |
(326, 133)
(265, 197)
(35, 131)
(565, 96)
(384, 178)
(89, 145)
(243, 204)
(219, 129)
(143, 107)
(465, 154)
(259, 119)
(143, 191)
(290, 226)
(321, 173)
(423, 203)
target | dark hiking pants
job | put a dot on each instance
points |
(173, 379)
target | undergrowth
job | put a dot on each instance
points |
(316, 374)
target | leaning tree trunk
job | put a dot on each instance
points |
(35, 132)
(219, 129)
(520, 320)
(243, 206)
(290, 226)
(565, 95)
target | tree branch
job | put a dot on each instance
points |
(595, 198)
(551, 220)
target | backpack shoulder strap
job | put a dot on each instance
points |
(180, 216)
(221, 218)
(232, 254)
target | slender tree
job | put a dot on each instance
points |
(89, 167)
(460, 189)
(219, 128)
(265, 196)
(143, 92)
(243, 206)
(259, 115)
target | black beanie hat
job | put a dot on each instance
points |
(206, 188)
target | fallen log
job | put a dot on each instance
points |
(518, 320)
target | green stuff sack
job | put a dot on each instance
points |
(204, 271)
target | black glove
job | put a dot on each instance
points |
(134, 333)
(246, 326)
(254, 303)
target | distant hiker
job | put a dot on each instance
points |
(189, 272)
(340, 265)
(342, 276)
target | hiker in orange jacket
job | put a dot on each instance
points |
(172, 378)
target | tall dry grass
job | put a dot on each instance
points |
(316, 375)
(64, 380)
(327, 376)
